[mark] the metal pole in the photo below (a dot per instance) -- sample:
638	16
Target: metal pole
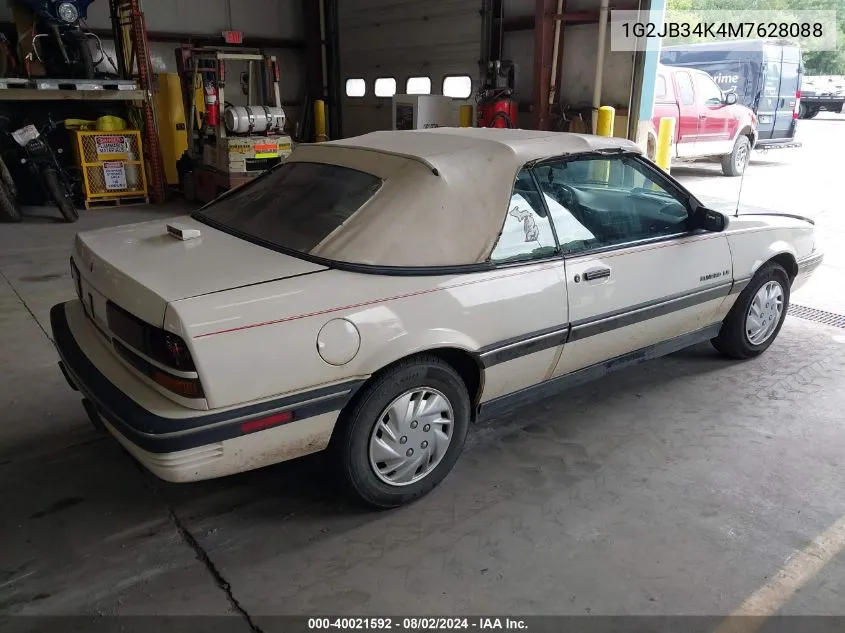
558	27
602	43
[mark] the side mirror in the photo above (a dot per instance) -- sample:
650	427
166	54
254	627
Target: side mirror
709	220
730	98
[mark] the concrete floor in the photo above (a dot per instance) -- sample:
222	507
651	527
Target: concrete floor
676	488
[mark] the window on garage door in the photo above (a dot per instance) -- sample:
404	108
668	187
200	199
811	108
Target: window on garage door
356	87
385	87
457	86
418	86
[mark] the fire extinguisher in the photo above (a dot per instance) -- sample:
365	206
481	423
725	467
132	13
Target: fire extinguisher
212	104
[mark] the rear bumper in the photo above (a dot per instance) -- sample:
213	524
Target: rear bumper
806	267
775	143
186	446
824	101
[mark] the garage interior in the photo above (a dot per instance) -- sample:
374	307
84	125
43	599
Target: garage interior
683	487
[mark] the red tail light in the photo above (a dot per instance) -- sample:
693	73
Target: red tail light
185	387
171	350
162	346
796	109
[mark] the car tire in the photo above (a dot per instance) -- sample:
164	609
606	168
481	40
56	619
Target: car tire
369	425
9	209
737	338
735	163
6	177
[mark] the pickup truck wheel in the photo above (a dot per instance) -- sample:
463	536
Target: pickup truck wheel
734	164
756	318
404	432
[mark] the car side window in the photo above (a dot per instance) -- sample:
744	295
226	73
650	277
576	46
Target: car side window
685	89
660	91
598	202
709	90
527	233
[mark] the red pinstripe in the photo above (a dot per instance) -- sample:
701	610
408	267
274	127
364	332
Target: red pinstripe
373	301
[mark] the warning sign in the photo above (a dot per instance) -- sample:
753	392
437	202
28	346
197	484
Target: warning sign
240	149
112	147
114	174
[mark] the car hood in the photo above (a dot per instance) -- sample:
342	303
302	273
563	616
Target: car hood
142	267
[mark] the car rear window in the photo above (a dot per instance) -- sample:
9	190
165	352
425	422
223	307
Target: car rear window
293	207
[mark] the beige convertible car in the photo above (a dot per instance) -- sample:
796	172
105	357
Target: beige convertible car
376	295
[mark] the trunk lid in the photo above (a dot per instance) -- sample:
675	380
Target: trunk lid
142	267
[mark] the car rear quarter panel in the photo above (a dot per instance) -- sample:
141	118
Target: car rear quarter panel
754	240
260	341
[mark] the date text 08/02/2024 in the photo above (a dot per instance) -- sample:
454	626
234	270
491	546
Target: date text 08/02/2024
739	30
418	624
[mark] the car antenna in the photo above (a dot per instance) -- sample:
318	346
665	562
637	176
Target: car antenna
741	180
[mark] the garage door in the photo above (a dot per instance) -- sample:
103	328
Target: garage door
384	44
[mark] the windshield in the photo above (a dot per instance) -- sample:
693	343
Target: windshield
293	207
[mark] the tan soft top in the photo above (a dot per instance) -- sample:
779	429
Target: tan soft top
446	191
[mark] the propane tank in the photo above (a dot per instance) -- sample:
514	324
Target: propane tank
254	120
212	104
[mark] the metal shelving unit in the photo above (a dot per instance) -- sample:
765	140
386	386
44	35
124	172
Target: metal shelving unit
135	87
46	89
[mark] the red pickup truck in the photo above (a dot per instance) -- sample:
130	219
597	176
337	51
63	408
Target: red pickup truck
708	123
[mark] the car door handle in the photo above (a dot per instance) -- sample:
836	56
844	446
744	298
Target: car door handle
596	273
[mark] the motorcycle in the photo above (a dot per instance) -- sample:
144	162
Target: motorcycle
45	167
60	43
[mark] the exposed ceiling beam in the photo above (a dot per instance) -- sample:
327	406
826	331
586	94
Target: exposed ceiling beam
526	22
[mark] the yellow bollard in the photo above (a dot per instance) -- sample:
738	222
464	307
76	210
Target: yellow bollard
466	115
665	137
604	127
604	121
320	120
